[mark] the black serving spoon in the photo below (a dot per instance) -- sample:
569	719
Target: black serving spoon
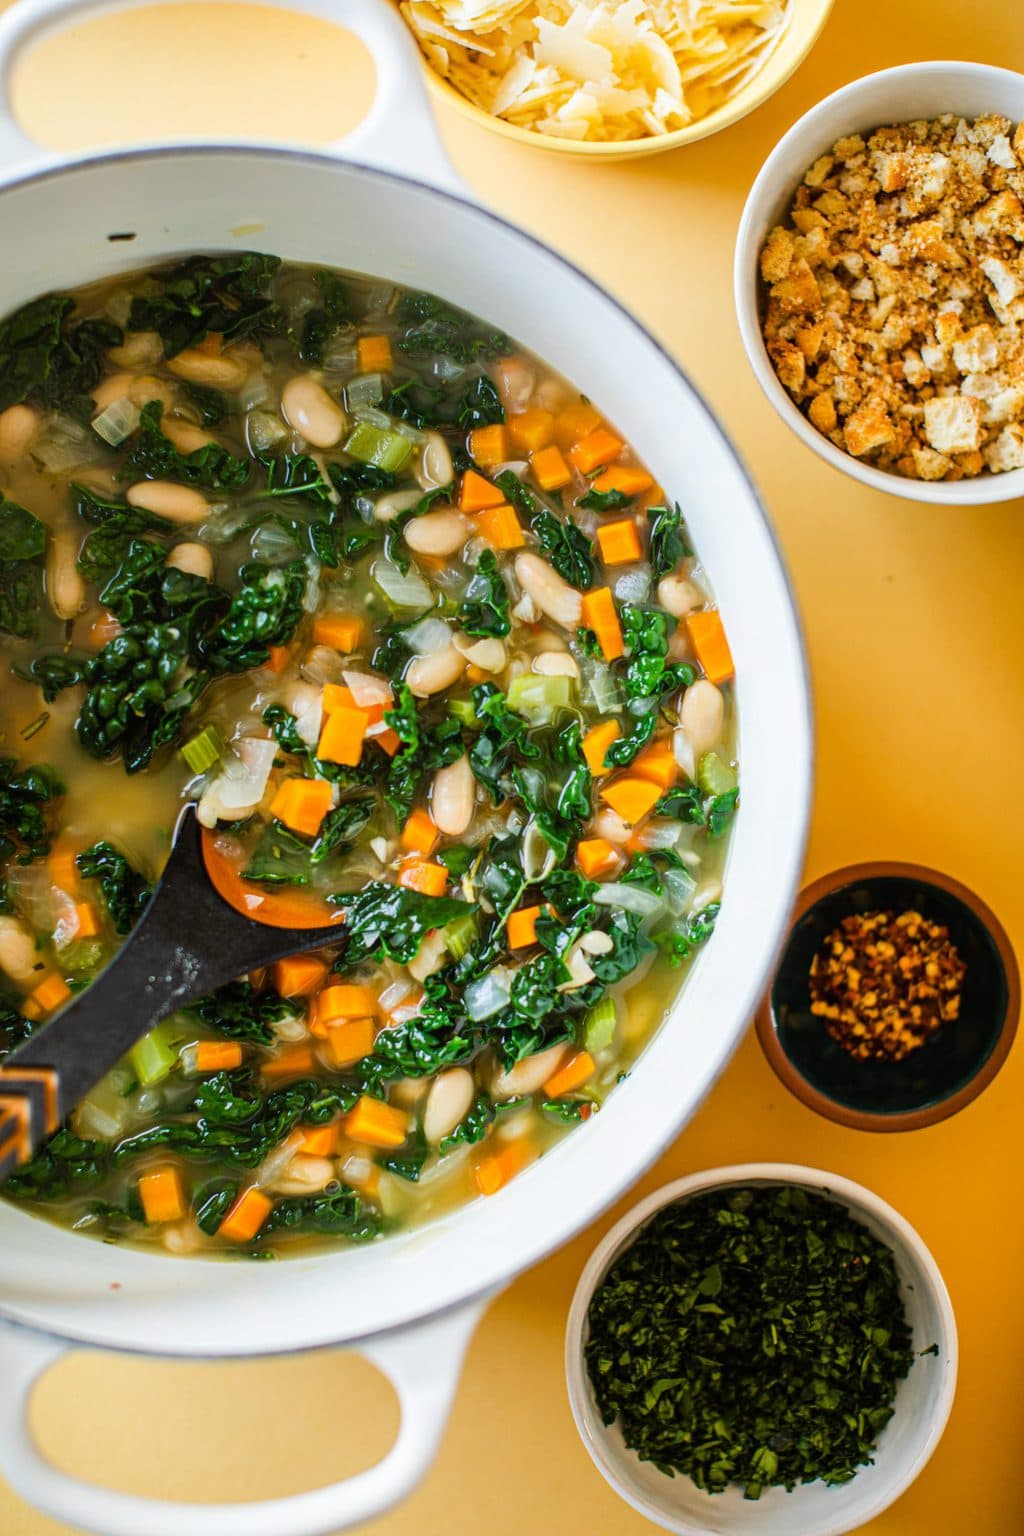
188	941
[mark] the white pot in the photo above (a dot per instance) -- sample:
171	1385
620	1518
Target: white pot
411	1301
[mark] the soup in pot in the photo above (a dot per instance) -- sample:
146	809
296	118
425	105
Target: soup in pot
402	615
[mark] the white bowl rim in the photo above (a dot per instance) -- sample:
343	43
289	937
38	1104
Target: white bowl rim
832	1185
982	489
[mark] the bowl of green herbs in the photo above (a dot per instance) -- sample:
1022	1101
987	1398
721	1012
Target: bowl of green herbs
765	1349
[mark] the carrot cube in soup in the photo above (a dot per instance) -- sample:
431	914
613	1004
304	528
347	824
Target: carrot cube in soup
62	868
489	445
342	736
345	1000
218	1055
522	927
632	798
624	478
298	975
246	1216
87	920
388	741
377	1124
708	638
596	857
278	658
302	804
550	469
420	835
596	743
162	1195
51	993
342	631
657	763
496	1169
424	876
477	494
620	542
350	1041
598	612
501	528
289	1061
337	696
595	450
571	1075
531	429
320	1140
374	353
575	422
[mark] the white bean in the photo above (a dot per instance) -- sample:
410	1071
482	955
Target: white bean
308	408
434	465
556	664
192	558
185	436
306	702
702	715
449	1101
304	1175
18	426
546	588
386	508
489	654
610	825
114	387
64	585
437	533
18	957
453	797
140	349
678	596
597	943
218	370
408	1091
146	387
516	380
528	1075
432	674
180	503
181	1237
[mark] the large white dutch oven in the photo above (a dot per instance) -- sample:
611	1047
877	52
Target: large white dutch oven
388	203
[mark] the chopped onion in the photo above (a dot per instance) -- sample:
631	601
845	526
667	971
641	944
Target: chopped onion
375	418
409	592
633	586
394	994
66	444
264	429
366	389
660	833
428	636
603	690
380	298
273	545
340	356
679	888
117	422
311	596
242	781
629	898
257	392
485	998
367	687
446	370
518	467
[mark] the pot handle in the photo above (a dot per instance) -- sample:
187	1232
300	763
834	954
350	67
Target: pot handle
422	1362
398	134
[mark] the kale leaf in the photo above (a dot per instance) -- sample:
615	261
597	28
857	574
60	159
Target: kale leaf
502	741
15	1029
46	360
436	328
325	317
239	1012
423	750
264	612
649	674
603	501
155	457
26	801
678	944
567	547
624	748
391	921
336	1212
479	405
22	546
668	540
125	891
53	673
208	295
484	609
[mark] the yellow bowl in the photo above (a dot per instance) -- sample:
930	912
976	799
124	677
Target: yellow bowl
806	20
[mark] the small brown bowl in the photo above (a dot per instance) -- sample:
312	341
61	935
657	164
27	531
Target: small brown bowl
953	1066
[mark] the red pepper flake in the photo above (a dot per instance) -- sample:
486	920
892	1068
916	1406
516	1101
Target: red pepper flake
883	983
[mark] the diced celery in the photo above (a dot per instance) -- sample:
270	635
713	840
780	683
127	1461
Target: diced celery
384	450
460	935
599	1025
205	750
403	594
713	776
156	1054
533	694
464	712
82	957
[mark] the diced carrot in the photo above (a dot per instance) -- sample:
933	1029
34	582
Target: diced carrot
599	613
496	1169
477	494
576	421
625	478
345	1000
532	429
340	630
298	975
218	1055
550	469
632	798
596	743
424	876
88	919
289	1061
279	657
595	450
620	542
320	1140
596	857
657	763
489	445
377	1124
349	1042
212	344
63	870
522	927
162	1195
342	736
374	353
246	1216
302	804
389	741
420	835
103	629
337	696
52	992
655	497
571	1075
708	637
501	528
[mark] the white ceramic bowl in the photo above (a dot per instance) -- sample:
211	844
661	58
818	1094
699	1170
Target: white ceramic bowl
891	96
923	1400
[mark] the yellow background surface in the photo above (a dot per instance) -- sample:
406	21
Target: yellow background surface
913	617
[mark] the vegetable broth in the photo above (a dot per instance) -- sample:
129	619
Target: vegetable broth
396	608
